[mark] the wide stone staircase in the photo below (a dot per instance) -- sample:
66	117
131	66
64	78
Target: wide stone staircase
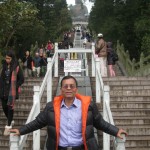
129	102
130	106
22	109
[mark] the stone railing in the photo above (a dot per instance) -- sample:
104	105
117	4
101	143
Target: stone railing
133	68
118	144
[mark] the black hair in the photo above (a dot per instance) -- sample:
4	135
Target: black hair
14	61
69	77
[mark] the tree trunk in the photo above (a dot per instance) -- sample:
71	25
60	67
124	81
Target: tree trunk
9	38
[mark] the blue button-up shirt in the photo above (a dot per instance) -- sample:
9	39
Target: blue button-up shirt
70	124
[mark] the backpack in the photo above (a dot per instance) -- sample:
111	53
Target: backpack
115	56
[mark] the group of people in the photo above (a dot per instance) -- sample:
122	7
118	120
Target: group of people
35	66
106	54
70	118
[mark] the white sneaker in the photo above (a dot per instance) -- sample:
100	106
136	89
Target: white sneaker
6	131
12	123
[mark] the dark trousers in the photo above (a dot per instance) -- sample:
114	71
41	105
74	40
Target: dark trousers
8	111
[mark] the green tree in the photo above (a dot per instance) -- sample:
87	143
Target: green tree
13	15
19	26
55	15
127	21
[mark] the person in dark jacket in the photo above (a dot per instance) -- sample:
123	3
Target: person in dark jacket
27	64
70	119
43	64
110	59
36	65
11	79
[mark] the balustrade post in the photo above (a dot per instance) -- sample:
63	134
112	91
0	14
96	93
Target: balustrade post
71	55
49	81
85	57
36	134
14	142
133	66
141	61
121	143
93	60
87	70
56	61
126	60
106	100
98	86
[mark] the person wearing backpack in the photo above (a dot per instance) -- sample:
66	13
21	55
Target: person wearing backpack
101	51
27	64
111	59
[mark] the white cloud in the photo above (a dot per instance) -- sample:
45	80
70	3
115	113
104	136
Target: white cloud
71	2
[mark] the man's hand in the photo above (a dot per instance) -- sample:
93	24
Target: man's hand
15	131
121	131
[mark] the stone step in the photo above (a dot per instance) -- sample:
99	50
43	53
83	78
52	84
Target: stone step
4	141
135	142
132	142
132	112
18	121
123	78
142	130
124	81
126	93
144	92
130	105
129	87
131	120
130	98
17	113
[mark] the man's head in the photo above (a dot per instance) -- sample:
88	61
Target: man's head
27	53
100	35
69	87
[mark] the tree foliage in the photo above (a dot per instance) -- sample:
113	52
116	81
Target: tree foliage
25	22
126	20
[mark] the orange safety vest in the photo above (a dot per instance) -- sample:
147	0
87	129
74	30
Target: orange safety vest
85	102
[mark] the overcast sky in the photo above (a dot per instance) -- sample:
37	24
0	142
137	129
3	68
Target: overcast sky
88	4
71	2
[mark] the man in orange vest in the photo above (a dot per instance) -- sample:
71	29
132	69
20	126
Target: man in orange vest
70	119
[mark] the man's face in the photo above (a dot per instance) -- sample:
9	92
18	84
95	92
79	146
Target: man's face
68	89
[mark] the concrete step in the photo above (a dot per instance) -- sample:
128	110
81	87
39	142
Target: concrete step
17	113
129	87
127	93
137	142
131	120
125	81
123	78
4	140
129	98
145	92
137	112
130	105
143	130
